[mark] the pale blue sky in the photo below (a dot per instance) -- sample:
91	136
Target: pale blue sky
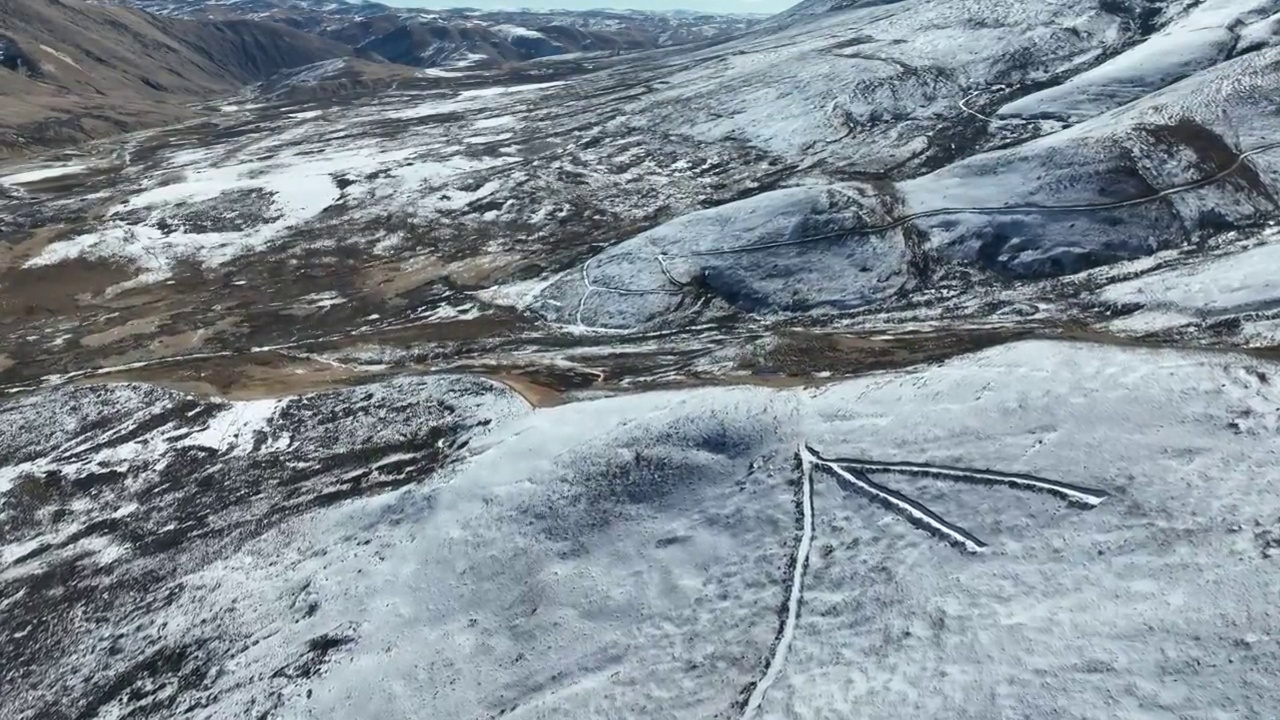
744	6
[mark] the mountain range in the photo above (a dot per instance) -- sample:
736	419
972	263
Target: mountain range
77	70
435	38
73	70
890	359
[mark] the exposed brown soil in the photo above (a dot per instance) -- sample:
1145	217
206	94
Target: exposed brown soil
141	326
271	374
483	270
267	374
184	342
249	377
537	395
15	255
389	280
57	290
803	353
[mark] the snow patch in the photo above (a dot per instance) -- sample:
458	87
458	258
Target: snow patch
31	176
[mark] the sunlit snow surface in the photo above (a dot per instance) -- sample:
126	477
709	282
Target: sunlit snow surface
631	556
1209	33
1198	148
31	176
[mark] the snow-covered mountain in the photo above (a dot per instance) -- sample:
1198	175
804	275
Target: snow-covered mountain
432	38
893	360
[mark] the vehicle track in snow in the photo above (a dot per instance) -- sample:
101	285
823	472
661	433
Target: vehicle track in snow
973	95
913	511
1030	207
786	632
1076	494
589	286
679	286
853	476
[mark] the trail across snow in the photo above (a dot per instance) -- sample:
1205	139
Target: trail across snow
662	258
965	107
915	512
800	566
853	475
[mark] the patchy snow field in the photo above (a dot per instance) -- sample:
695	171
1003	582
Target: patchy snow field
192	208
1209	33
33	176
1038	529
841	162
1193	152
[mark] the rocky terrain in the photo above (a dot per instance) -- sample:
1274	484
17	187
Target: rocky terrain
907	359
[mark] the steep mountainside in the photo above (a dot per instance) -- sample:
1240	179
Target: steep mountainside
429	43
76	70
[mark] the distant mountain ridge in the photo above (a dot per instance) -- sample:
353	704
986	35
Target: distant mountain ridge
72	71
463	36
78	70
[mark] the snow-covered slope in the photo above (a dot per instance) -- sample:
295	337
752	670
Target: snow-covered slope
111	495
790	250
867	83
1195	157
890	89
843	163
1209	33
1046	529
1198	295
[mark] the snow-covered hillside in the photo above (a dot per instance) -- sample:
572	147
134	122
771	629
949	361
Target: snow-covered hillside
890	87
641	555
894	360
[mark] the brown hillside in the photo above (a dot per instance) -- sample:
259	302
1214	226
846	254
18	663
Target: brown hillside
74	71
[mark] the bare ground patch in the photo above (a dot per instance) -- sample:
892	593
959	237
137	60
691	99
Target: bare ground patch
388	281
164	346
808	353
537	395
56	290
140	326
15	255
247	377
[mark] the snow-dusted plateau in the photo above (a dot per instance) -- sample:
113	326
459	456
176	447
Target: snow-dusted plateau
885	360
